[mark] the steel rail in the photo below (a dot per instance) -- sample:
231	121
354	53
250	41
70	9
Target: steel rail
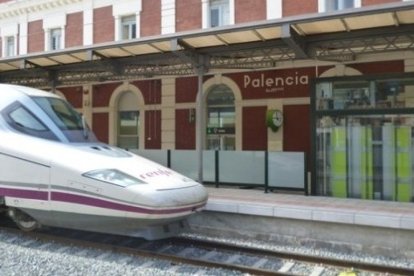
82	241
380	268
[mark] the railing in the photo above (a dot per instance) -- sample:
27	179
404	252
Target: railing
270	170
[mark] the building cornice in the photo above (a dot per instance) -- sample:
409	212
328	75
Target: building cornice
18	8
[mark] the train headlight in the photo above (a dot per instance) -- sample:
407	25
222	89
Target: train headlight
114	176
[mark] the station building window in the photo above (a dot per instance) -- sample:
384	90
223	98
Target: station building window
220	118
364	138
128	121
10	46
128	27
55	42
336	5
219	13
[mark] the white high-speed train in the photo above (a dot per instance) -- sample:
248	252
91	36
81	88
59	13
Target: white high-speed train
53	172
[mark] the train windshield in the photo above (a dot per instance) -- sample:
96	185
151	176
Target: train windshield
61	113
69	121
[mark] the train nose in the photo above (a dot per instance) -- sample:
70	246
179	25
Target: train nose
194	195
191	197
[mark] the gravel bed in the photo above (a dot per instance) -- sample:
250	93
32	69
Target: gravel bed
308	250
22	255
25	256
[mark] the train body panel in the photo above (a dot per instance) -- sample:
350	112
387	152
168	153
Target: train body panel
54	172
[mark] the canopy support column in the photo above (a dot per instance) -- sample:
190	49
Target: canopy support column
200	121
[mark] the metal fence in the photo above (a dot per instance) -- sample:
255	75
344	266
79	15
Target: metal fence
270	170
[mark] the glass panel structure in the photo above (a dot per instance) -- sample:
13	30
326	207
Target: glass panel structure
364	138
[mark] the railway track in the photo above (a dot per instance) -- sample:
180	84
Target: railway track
209	255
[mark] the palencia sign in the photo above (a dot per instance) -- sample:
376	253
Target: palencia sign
274	83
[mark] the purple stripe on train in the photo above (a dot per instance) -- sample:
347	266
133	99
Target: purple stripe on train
96	202
90	201
28	194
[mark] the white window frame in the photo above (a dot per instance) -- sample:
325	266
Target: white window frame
322	5
9	41
55	39
8	33
207	6
50	24
123	9
222	7
129	22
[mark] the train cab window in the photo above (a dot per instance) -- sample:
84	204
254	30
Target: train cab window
22	120
65	117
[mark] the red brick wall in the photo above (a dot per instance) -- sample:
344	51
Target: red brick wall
254	128
103	25
100	126
153	129
380	67
151	17
188	15
295	7
74	30
376	2
247	10
74	95
186	90
151	90
185	130
102	94
35	36
296	129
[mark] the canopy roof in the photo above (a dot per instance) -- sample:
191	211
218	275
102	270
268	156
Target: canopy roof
338	36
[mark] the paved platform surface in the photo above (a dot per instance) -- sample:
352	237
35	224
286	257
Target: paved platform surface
327	209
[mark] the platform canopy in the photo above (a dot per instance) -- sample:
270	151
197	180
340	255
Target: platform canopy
335	36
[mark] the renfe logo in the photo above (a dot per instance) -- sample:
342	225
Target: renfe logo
159	172
275	83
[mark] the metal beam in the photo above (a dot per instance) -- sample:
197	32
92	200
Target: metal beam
294	41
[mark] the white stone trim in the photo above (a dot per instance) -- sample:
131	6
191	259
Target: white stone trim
113	113
125	8
167	16
274	9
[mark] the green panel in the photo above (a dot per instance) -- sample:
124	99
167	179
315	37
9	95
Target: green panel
338	162
404	164
367	185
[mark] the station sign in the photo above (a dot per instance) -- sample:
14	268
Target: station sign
220	130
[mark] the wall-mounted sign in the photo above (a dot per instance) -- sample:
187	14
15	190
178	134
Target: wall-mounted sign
274	119
220	130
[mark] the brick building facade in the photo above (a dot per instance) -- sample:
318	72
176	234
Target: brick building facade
164	106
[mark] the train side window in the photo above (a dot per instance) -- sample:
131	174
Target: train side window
22	120
21	117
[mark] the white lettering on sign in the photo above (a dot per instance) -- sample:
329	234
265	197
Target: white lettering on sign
274	84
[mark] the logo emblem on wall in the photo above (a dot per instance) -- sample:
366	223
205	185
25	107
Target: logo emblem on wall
274	119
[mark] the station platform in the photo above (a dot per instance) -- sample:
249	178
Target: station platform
353	225
315	208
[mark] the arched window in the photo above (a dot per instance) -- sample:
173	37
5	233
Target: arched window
220	118
128	121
